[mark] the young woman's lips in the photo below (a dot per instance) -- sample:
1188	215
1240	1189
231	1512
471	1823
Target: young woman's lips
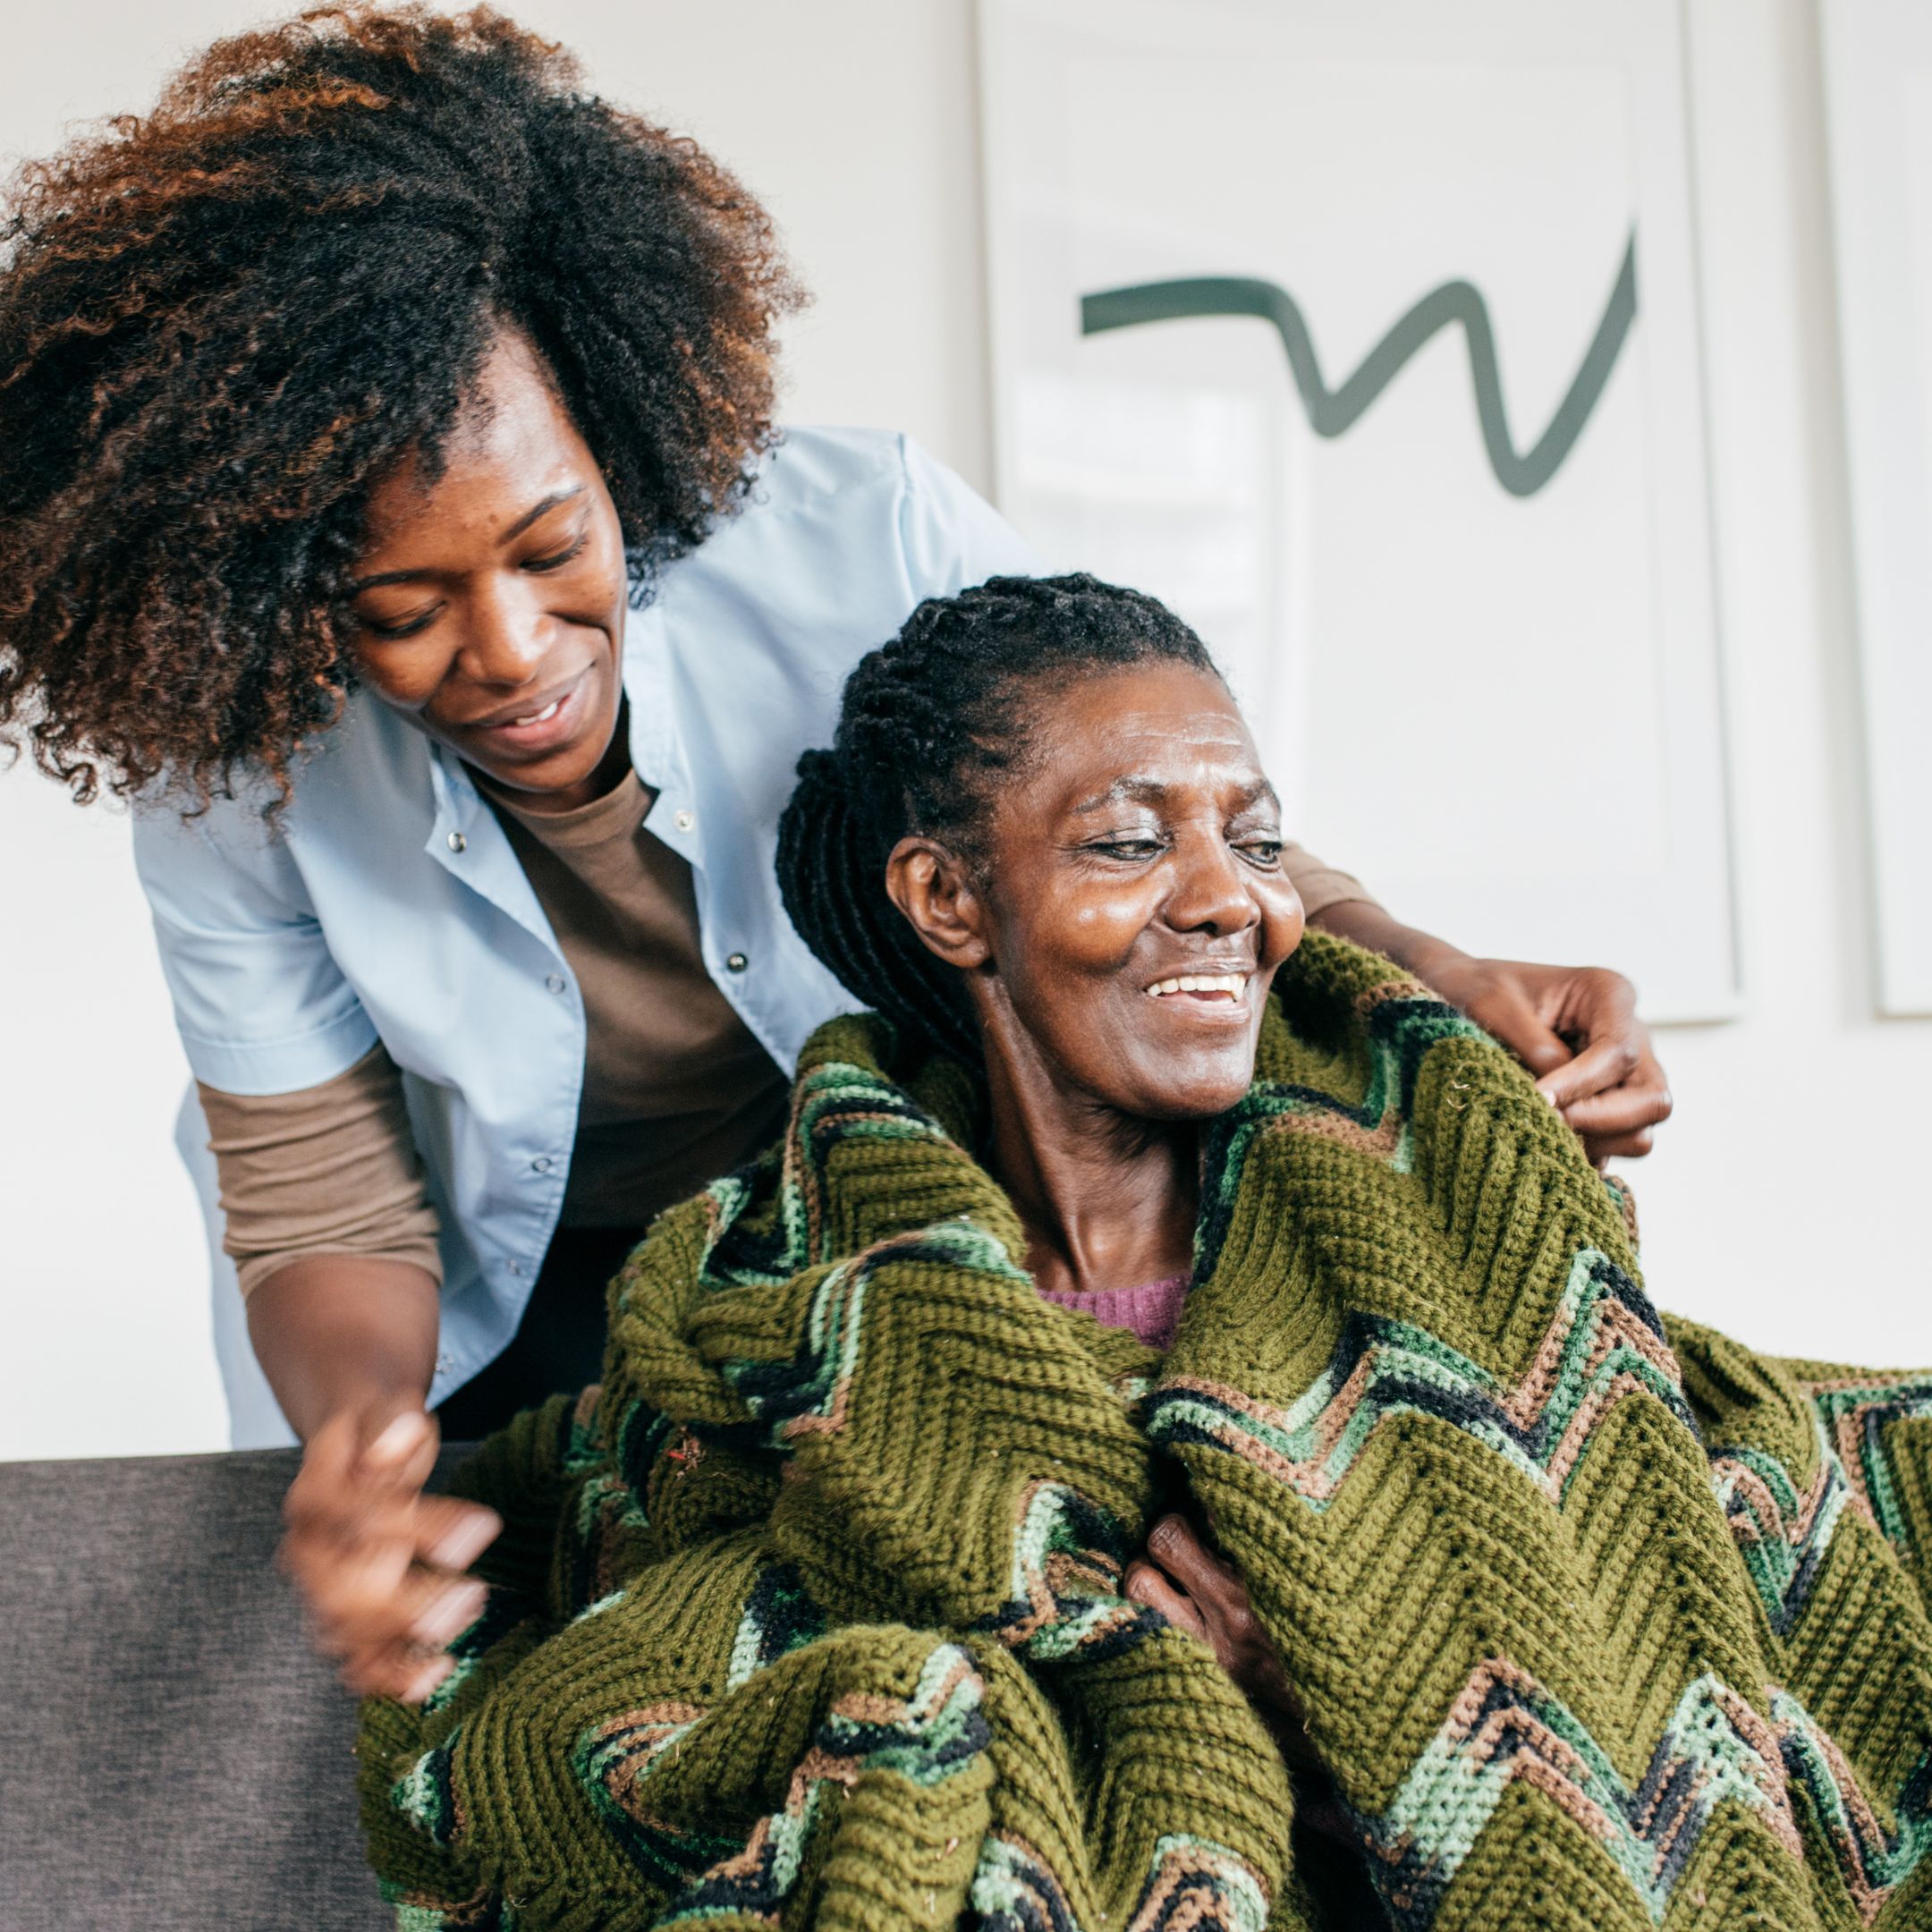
543	728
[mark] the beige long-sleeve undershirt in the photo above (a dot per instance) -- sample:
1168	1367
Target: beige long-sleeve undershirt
676	1090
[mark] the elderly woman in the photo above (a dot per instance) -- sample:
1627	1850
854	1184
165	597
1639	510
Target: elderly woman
1143	1270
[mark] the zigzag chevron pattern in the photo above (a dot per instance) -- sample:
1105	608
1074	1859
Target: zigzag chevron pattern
1506	1728
926	1738
1065	1588
1194	1882
1605	1342
1784	1531
1403	1021
1873	1859
806	1395
874	1616
1857	1412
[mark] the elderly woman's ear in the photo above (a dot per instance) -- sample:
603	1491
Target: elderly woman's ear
932	886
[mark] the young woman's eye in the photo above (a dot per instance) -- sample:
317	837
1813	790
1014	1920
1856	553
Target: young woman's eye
408	627
557	559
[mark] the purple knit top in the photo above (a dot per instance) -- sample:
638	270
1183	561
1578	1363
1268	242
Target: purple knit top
1152	1310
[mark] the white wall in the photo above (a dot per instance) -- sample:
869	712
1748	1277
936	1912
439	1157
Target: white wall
1778	1204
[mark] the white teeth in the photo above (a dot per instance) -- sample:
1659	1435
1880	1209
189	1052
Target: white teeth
536	718
1234	985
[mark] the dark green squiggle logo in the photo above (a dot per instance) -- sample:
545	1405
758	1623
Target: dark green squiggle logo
1330	412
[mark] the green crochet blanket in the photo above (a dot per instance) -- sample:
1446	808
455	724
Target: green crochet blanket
810	1617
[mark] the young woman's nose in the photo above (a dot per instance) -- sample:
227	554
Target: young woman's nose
505	638
1212	892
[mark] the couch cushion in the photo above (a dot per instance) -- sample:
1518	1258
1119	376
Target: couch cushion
172	1751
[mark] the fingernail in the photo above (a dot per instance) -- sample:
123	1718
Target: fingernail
451	1612
462	1544
426	1681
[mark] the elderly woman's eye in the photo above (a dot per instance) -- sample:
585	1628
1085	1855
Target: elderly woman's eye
1266	851
1126	848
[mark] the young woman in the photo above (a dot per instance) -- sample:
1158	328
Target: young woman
392	502
868	1588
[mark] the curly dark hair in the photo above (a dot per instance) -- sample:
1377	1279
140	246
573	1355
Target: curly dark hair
927	725
223	322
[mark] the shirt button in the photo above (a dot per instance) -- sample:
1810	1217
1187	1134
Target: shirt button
457	841
443	1364
516	1268
737	962
684	820
555	982
541	1164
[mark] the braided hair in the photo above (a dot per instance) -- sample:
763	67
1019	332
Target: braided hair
927	725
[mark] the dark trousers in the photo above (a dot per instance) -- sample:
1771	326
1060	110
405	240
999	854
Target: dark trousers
558	1346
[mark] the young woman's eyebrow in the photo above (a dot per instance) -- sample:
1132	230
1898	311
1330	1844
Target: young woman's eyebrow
542	509
531	516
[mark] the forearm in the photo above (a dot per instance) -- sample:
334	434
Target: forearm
1365	923
345	1334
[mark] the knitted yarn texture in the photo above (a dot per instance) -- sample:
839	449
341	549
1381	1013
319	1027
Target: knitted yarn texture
810	1616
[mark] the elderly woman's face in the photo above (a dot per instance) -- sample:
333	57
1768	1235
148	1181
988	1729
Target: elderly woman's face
1134	904
489	599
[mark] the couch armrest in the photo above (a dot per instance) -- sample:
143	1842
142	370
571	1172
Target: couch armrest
171	1752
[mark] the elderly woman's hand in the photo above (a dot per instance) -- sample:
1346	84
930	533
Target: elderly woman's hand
1196	1589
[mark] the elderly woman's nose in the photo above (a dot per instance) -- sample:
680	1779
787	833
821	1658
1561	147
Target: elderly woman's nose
1213	891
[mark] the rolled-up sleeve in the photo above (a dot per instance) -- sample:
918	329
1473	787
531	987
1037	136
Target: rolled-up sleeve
259	1002
331	1170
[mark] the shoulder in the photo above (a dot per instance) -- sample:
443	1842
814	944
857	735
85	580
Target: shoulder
367	782
864	513
814	467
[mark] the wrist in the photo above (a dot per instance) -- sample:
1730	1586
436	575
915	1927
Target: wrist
341	1336
361	1414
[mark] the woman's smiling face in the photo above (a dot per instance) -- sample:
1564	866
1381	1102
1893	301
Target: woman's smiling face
1131	908
489	599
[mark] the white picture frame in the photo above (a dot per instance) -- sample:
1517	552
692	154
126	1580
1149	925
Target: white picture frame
1485	680
1878	116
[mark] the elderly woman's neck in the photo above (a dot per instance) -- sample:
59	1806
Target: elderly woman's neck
1107	1201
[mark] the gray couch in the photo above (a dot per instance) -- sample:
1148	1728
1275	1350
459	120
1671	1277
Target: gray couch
171	1753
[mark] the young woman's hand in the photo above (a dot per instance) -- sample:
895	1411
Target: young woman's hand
1574	1027
1193	1588
349	1343
380	1564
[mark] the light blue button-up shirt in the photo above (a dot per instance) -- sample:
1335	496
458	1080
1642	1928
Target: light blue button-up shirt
389	905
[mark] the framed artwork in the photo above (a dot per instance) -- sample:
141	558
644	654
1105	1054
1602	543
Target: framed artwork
1878	107
1366	337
